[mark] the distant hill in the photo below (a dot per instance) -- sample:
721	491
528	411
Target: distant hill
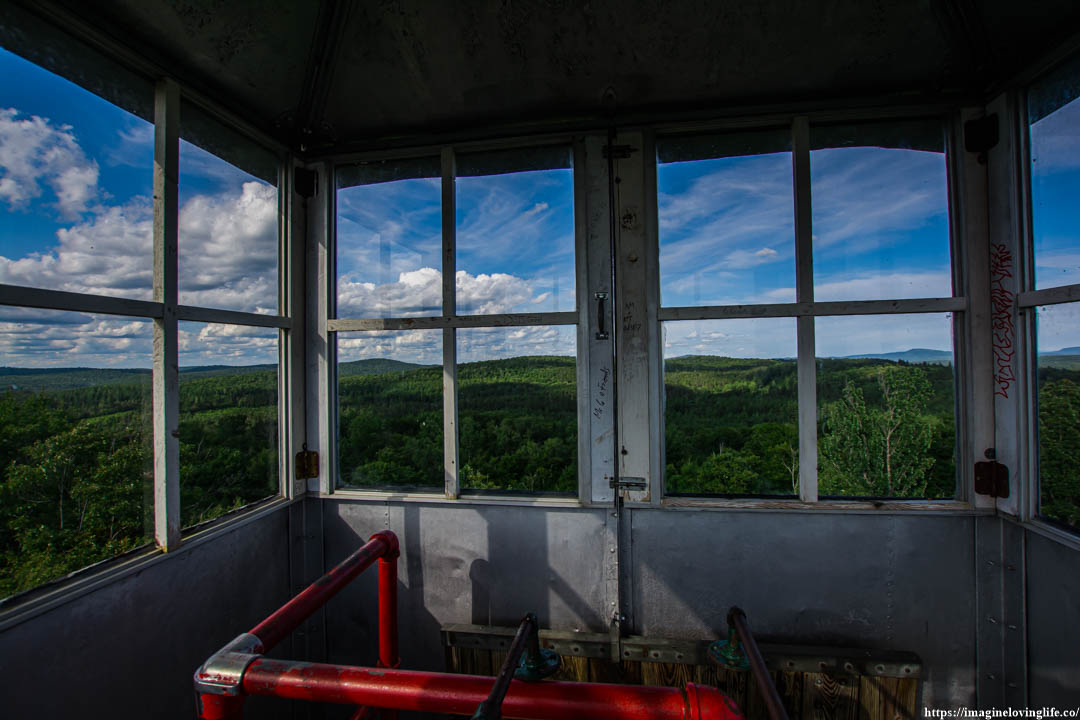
914	355
1064	351
52	379
1059	360
376	366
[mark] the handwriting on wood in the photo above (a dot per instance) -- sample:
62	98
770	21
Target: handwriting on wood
1002	300
600	399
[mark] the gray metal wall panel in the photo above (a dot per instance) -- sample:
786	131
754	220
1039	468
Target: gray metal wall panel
478	564
129	649
1053	603
888	581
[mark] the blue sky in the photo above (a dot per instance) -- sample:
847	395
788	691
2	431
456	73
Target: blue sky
75	187
76	213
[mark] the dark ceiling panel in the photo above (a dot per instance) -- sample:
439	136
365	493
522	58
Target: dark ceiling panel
418	67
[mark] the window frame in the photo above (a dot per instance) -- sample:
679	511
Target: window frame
1028	299
166	312
449	322
805	309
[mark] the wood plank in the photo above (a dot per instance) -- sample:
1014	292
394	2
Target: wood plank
888	698
666	674
572	668
790	687
829	697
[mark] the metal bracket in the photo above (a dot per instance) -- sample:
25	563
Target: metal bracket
223	673
601	333
992	478
619	152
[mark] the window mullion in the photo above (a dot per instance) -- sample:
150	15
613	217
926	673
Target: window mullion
804	293
166	389
449	341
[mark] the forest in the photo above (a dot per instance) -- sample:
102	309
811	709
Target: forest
76	450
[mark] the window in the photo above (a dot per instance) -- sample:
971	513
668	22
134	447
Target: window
463	386
791	261
1054	146
85	325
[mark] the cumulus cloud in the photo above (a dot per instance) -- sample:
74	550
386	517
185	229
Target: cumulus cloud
228	249
35	154
52	339
219	344
419	293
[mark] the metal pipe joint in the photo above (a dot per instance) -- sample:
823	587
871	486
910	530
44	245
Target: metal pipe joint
223	672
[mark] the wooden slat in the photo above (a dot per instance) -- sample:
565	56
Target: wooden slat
805	695
829	697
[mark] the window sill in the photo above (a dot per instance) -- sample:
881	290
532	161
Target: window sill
441	499
1057	533
933	507
29	604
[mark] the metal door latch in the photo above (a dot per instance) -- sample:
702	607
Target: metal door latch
627	483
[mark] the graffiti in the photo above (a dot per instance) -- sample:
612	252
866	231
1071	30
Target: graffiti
1002	300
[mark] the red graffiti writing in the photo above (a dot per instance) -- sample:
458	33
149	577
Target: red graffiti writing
1002	301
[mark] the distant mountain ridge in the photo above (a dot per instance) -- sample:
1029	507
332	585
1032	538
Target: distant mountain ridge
914	355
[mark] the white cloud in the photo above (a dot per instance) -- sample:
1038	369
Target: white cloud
218	344
1055	142
870	286
35	153
228	249
52	339
419	292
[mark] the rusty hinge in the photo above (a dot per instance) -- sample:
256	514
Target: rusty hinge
307	464
992	478
619	152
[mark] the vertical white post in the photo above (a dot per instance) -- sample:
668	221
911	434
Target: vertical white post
166	362
804	293
449	340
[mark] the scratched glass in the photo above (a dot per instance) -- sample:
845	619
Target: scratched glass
880	211
517	409
886	406
1054	114
228	418
726	219
1058	328
75	186
228	224
731	407
515	232
76	455
390	410
389	239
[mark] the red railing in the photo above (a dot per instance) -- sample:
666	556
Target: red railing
239	670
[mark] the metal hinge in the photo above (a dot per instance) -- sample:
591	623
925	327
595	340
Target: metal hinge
992	478
307	464
619	152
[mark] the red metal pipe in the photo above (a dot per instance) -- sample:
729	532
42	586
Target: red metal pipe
460	694
277	627
388	617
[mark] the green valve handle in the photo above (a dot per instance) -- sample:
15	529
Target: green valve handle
729	653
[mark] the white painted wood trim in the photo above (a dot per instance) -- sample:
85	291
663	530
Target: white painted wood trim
452	321
166	383
816	309
804	293
188	313
292	407
1049	296
77	302
451	446
584	307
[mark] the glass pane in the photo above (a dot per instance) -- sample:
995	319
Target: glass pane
1059	412
517	409
228	418
1055	181
228	236
76	442
390	419
880	214
727	233
731	421
515	240
75	187
389	240
886	409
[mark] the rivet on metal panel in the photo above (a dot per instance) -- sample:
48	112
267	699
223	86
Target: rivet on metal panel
880	668
990	676
993	620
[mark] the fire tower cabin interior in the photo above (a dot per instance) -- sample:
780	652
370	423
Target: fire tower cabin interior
624	313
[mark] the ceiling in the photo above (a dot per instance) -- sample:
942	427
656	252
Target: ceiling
339	75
